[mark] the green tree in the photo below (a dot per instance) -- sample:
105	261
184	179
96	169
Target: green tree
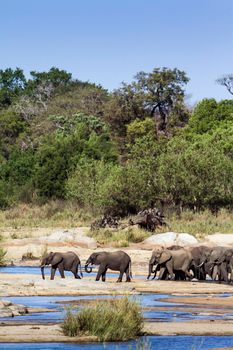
57	77
209	114
197	172
162	91
12	85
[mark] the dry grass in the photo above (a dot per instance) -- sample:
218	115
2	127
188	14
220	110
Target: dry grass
52	214
201	224
119	238
64	214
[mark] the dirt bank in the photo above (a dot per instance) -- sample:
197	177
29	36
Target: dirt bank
52	332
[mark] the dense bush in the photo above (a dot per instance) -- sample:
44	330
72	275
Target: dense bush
108	320
118	152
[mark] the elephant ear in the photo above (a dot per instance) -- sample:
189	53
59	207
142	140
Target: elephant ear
57	258
97	258
165	256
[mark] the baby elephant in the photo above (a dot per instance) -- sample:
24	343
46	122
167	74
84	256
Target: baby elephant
117	261
68	261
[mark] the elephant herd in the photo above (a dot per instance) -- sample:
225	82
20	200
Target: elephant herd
181	263
172	263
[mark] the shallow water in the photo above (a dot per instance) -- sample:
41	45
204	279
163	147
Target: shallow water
146	300
156	342
35	270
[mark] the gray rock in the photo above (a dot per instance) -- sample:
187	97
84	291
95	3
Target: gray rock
171	238
9	309
77	236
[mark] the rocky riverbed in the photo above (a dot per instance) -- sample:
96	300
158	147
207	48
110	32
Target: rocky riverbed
211	301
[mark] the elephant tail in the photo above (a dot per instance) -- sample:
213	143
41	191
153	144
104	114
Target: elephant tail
81	273
130	270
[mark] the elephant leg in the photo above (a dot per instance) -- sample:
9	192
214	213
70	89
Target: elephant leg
61	270
128	279
75	272
104	275
162	273
101	270
223	273
120	276
185	269
170	270
215	273
53	271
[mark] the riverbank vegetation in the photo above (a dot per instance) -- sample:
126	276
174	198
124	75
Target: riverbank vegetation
108	320
66	214
71	151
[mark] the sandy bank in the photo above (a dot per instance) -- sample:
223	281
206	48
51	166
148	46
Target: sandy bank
52	332
30	285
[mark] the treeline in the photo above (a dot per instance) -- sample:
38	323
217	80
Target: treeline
113	152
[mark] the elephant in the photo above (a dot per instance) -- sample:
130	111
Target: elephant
163	272
200	266
116	261
172	261
68	261
221	261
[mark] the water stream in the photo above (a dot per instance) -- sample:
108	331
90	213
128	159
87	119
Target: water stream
148	302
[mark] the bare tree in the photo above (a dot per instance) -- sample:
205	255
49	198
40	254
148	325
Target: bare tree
30	106
227	81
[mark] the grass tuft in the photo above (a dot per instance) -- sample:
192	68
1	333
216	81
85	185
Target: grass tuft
111	320
2	257
120	238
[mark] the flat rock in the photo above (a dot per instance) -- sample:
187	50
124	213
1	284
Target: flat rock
171	238
76	235
9	309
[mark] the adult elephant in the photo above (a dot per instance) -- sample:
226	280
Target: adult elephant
221	262
68	261
172	261
116	261
163	272
200	265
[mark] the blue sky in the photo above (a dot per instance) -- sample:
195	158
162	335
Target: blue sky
109	41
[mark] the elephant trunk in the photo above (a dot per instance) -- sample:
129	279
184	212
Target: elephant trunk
151	270
42	271
88	269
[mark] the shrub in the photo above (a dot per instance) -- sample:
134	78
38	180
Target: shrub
112	320
2	256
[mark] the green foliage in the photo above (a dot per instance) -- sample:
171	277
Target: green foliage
55	76
2	257
108	320
209	114
12	126
113	152
119	238
87	182
139	128
4	194
17	175
81	138
161	90
78	96
197	172
12	84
